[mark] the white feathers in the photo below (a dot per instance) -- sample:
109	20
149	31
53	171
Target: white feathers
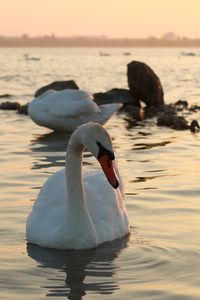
75	209
67	109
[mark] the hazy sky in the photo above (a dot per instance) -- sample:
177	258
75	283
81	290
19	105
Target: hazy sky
113	18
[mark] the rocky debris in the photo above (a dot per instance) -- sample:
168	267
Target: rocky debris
144	84
151	111
114	96
23	109
194	108
170	116
9	105
177	122
183	104
172	121
194	126
57	86
134	112
6	96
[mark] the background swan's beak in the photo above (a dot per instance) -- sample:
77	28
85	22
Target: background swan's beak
107	167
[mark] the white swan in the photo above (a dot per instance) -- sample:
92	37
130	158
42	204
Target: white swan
67	109
72	212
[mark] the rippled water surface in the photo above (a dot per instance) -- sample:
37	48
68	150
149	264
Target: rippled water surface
160	168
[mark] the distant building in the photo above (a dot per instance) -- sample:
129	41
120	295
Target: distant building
25	36
169	36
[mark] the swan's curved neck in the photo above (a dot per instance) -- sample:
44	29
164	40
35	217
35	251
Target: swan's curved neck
74	172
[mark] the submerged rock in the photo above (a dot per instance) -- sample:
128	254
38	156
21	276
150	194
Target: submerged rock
183	104
173	121
57	86
170	118
23	109
194	126
151	111
144	84
194	108
133	112
9	105
6	96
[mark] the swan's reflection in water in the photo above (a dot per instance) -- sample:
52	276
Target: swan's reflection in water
98	265
53	141
49	149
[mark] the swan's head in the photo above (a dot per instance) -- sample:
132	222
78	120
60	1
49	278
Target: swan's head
97	140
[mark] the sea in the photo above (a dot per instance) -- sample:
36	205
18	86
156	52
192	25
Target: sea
160	167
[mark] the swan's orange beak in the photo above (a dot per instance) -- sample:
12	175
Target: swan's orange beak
108	169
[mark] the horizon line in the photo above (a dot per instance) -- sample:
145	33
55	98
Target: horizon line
100	36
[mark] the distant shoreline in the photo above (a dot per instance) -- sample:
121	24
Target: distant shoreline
52	41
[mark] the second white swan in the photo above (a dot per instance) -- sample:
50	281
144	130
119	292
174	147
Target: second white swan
67	109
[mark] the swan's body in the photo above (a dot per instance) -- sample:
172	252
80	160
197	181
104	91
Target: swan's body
74	214
67	109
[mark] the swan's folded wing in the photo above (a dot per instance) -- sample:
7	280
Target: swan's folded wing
65	104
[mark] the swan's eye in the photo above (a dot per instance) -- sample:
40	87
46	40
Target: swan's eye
103	151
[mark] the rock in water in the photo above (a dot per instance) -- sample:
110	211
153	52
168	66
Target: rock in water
57	86
194	126
144	84
115	95
173	121
9	105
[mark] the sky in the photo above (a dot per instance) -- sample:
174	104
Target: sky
113	18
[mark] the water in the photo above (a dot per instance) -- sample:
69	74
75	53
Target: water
160	168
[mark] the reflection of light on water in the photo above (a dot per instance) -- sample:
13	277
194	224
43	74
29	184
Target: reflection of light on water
86	271
143	146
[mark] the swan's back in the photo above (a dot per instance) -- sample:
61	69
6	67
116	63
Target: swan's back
68	109
56	107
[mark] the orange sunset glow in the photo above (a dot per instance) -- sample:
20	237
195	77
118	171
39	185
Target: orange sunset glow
113	18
